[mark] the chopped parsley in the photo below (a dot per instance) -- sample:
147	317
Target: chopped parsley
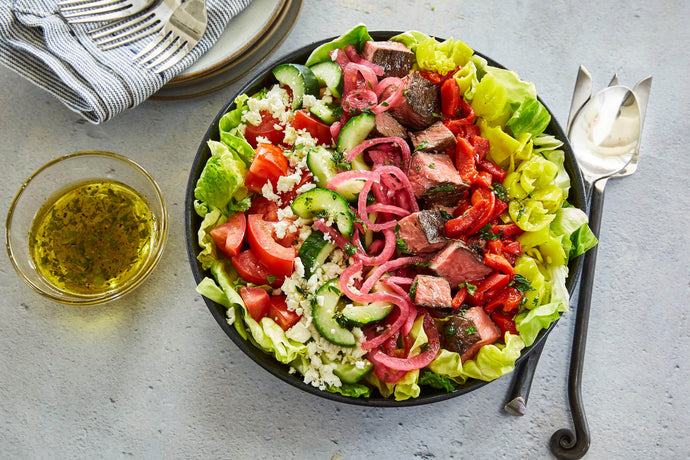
350	249
521	283
434	380
271	279
500	191
471	330
401	246
486	233
471	288
422	145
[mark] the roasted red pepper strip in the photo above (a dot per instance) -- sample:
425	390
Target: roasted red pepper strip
506	230
459	225
450	98
505	323
482	194
495	246
500	263
513	247
488	288
459	298
499	208
509	298
492	168
481	147
464	160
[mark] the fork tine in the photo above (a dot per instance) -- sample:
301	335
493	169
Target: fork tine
68	3
158	44
105	13
182	52
129	29
89	6
112	43
175	46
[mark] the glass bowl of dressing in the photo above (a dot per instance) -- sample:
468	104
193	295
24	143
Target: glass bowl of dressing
86	228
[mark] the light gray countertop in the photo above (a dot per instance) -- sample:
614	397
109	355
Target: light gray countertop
153	376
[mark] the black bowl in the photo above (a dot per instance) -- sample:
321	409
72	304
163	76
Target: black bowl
262	78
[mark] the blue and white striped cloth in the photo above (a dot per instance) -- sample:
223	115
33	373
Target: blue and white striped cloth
37	43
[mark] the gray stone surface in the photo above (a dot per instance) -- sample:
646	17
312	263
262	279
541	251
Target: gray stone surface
153	376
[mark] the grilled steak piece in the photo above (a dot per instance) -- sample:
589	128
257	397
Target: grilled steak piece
434	179
395	58
422	231
388	126
458	263
431	292
437	138
420	103
469	330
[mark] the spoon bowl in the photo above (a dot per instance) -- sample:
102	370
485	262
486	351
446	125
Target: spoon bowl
605	133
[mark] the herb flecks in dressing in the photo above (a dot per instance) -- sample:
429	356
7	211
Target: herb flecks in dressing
92	237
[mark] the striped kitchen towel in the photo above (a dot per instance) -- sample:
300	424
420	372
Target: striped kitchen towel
37	43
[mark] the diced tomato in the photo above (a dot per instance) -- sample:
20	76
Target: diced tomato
279	260
279	312
316	128
505	323
509	298
256	300
250	268
266	208
268	165
481	147
500	263
266	130
230	235
450	98
492	168
488	287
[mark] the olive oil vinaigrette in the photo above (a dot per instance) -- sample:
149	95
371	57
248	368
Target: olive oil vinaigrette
92	237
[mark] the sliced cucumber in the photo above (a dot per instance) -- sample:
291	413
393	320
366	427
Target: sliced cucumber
300	79
330	75
320	202
365	314
349	373
323	312
328	113
321	165
314	252
354	133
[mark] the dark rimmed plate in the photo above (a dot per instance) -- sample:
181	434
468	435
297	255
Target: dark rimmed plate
262	78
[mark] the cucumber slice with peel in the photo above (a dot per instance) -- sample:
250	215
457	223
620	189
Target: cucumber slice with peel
323	312
322	202
300	79
314	252
330	75
365	314
354	133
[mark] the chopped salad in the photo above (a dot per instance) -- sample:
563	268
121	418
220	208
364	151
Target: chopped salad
389	215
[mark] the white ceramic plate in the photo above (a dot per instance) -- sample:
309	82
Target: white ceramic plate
240	34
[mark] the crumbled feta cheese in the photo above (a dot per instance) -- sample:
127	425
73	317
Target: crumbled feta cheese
299	332
267	191
308	100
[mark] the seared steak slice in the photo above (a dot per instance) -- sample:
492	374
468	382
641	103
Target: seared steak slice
420	105
422	231
458	263
437	138
395	58
469	330
431	292
388	126
434	179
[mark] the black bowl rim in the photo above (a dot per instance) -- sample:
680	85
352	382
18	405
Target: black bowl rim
261	78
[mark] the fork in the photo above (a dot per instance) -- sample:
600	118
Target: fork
79	11
135	28
178	36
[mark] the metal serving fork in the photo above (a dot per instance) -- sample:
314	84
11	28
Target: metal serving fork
78	11
178	36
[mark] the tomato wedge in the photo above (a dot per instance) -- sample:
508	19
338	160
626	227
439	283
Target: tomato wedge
266	130
269	165
315	127
279	260
264	207
250	268
278	312
230	235
256	300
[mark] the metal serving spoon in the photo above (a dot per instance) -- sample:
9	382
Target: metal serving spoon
605	137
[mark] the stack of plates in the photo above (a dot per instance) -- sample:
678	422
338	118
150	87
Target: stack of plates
246	42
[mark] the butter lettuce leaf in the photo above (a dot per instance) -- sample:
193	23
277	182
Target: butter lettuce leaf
221	179
572	223
530	322
495	360
356	36
530	117
209	251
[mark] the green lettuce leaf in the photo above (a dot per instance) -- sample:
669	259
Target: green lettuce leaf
572	223
530	117
209	251
495	360
352	390
222	177
356	36
530	322
434	380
